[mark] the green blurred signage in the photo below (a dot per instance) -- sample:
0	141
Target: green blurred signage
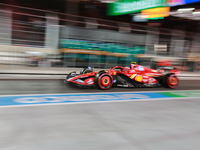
130	6
182	93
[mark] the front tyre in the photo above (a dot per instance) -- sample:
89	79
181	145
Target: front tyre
171	81
103	80
71	74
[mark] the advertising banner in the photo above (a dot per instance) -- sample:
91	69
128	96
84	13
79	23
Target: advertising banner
123	7
126	7
156	12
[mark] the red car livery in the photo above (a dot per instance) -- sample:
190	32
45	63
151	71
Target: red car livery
133	76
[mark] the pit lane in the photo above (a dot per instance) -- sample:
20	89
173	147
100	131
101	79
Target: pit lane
13	87
143	125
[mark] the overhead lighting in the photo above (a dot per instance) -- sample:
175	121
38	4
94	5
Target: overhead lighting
181	15
185	9
138	18
196	13
173	13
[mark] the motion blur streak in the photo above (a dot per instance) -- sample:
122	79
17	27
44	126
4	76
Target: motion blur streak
44	38
41	41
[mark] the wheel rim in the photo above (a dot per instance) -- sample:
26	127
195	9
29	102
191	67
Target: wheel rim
173	81
105	81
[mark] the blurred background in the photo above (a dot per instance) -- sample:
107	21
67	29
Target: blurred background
101	34
43	40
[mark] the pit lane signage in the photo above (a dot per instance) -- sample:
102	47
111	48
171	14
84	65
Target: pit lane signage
75	98
53	99
126	6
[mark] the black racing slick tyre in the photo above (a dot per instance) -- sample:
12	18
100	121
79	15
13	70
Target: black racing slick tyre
70	75
103	80
171	81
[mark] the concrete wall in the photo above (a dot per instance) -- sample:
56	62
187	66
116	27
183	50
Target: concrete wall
5	26
13	49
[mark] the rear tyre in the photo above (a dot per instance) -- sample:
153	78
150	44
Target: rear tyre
103	80
171	81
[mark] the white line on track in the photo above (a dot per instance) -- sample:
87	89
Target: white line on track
101	93
116	101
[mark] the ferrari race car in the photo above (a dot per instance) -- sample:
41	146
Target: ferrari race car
133	76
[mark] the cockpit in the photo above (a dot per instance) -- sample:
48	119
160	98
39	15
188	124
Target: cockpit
137	67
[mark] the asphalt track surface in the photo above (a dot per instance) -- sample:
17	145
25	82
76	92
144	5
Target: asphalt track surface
171	124
13	87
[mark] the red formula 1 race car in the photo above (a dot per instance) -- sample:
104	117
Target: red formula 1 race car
133	76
